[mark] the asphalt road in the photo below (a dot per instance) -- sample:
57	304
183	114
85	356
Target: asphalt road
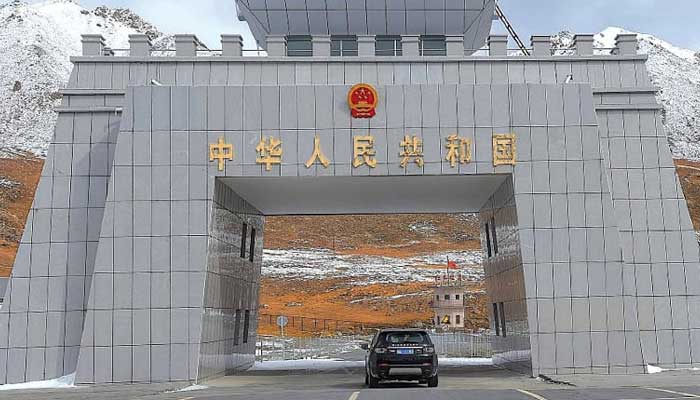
476	384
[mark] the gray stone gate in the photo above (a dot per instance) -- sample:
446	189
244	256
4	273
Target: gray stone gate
141	256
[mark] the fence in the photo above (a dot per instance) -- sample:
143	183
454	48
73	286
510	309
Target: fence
347	347
319	325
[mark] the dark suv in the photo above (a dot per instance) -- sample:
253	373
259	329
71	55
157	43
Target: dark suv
401	355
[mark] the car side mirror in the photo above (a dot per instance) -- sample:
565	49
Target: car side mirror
364	346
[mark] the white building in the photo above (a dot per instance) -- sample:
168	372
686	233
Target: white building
448	300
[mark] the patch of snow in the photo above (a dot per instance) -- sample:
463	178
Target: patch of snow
193	387
336	364
8	184
64	382
651	369
364	269
465	362
306	365
424	228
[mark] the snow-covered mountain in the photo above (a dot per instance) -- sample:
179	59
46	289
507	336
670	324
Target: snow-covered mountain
36	41
673	69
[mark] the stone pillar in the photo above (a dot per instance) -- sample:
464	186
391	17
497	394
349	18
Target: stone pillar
541	46
366	45
498	45
276	46
411	45
231	45
321	45
186	45
626	44
139	45
455	46
583	45
93	45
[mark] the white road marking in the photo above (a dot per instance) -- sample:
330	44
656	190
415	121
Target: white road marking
354	396
693	396
533	395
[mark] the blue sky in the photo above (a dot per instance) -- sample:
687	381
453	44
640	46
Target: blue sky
672	20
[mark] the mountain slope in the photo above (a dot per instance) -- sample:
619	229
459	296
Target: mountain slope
36	41
676	71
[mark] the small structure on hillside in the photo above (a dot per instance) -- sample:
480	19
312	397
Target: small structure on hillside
448	300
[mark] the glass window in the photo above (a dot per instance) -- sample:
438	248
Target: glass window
437	297
447	297
299	46
488	240
496	320
433	45
456	297
244	237
399	338
388	46
343	46
457	319
494	238
246	326
502	313
237	328
251	256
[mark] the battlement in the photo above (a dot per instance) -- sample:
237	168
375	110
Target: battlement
378	48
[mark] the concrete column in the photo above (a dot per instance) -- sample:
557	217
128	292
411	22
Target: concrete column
583	45
276	46
93	45
410	45
186	45
321	45
455	46
139	45
231	45
626	44
541	46
498	45
366	45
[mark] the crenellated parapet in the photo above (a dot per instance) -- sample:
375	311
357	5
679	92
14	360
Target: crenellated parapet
363	46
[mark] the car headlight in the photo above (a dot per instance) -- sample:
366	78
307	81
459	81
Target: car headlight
429	350
380	350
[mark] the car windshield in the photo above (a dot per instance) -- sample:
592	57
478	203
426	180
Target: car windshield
398	338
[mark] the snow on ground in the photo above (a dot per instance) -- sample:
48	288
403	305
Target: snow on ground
335	364
193	388
653	369
63	382
8	184
365	269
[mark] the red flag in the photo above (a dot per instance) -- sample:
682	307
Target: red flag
452	265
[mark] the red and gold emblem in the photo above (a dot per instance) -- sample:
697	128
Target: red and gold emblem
363	99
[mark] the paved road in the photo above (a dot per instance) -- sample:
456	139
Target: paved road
473	384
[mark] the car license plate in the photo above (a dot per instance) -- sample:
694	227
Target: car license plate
404	351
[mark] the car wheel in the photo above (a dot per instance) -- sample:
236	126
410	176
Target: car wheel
433	382
373	382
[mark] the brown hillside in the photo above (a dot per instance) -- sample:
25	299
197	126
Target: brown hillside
390	235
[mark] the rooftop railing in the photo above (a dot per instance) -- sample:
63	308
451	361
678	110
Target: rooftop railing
232	46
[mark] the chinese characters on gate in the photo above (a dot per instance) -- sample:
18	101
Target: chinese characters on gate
458	150
363	100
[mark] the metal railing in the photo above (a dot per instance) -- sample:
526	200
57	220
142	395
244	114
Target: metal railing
347	347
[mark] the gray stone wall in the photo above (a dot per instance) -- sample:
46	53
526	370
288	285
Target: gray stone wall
582	216
505	281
